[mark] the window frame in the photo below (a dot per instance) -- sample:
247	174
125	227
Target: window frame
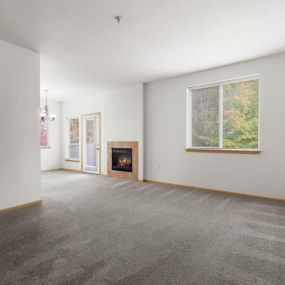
67	153
220	84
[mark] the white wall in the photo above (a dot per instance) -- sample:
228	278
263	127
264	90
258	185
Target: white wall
51	156
165	133
19	126
121	119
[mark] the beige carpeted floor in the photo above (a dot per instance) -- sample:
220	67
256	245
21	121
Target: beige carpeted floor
98	230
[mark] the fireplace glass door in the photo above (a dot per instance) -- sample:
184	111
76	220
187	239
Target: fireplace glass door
91	143
122	159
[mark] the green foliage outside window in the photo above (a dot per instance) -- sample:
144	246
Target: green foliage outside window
205	117
240	116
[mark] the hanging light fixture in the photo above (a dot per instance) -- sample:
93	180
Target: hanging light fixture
44	113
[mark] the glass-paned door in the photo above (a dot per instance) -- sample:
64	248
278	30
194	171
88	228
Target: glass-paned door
91	143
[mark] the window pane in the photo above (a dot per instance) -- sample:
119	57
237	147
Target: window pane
205	117
74	138
241	115
74	151
74	131
91	142
43	133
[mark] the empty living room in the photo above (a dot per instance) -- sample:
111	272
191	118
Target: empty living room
148	144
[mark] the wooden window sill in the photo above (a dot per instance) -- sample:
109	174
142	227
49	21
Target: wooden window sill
45	147
223	150
72	160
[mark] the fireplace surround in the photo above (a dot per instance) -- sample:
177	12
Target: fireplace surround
123	159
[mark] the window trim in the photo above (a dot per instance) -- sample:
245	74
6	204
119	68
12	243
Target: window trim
223	150
71	160
220	84
45	147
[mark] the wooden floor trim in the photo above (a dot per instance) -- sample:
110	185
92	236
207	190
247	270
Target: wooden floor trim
30	204
61	169
48	170
72	170
216	191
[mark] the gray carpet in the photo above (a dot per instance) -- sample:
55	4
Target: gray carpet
98	230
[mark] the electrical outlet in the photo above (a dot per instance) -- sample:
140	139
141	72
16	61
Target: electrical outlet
156	165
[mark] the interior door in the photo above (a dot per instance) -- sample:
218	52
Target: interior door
91	143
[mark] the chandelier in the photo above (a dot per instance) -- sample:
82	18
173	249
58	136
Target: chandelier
44	112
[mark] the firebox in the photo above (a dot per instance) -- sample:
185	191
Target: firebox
122	159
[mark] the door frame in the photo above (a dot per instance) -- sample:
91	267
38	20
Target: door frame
99	138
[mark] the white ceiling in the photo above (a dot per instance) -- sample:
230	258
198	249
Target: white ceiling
83	50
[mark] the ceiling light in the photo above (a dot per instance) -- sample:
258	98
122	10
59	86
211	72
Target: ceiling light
44	112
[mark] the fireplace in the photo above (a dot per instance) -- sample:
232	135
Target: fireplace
122	159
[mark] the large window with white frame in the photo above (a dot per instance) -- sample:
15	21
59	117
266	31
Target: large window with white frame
73	139
224	116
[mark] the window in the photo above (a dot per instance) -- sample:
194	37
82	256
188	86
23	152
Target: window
43	133
224	116
73	139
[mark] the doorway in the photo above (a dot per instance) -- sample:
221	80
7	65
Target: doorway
91	143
